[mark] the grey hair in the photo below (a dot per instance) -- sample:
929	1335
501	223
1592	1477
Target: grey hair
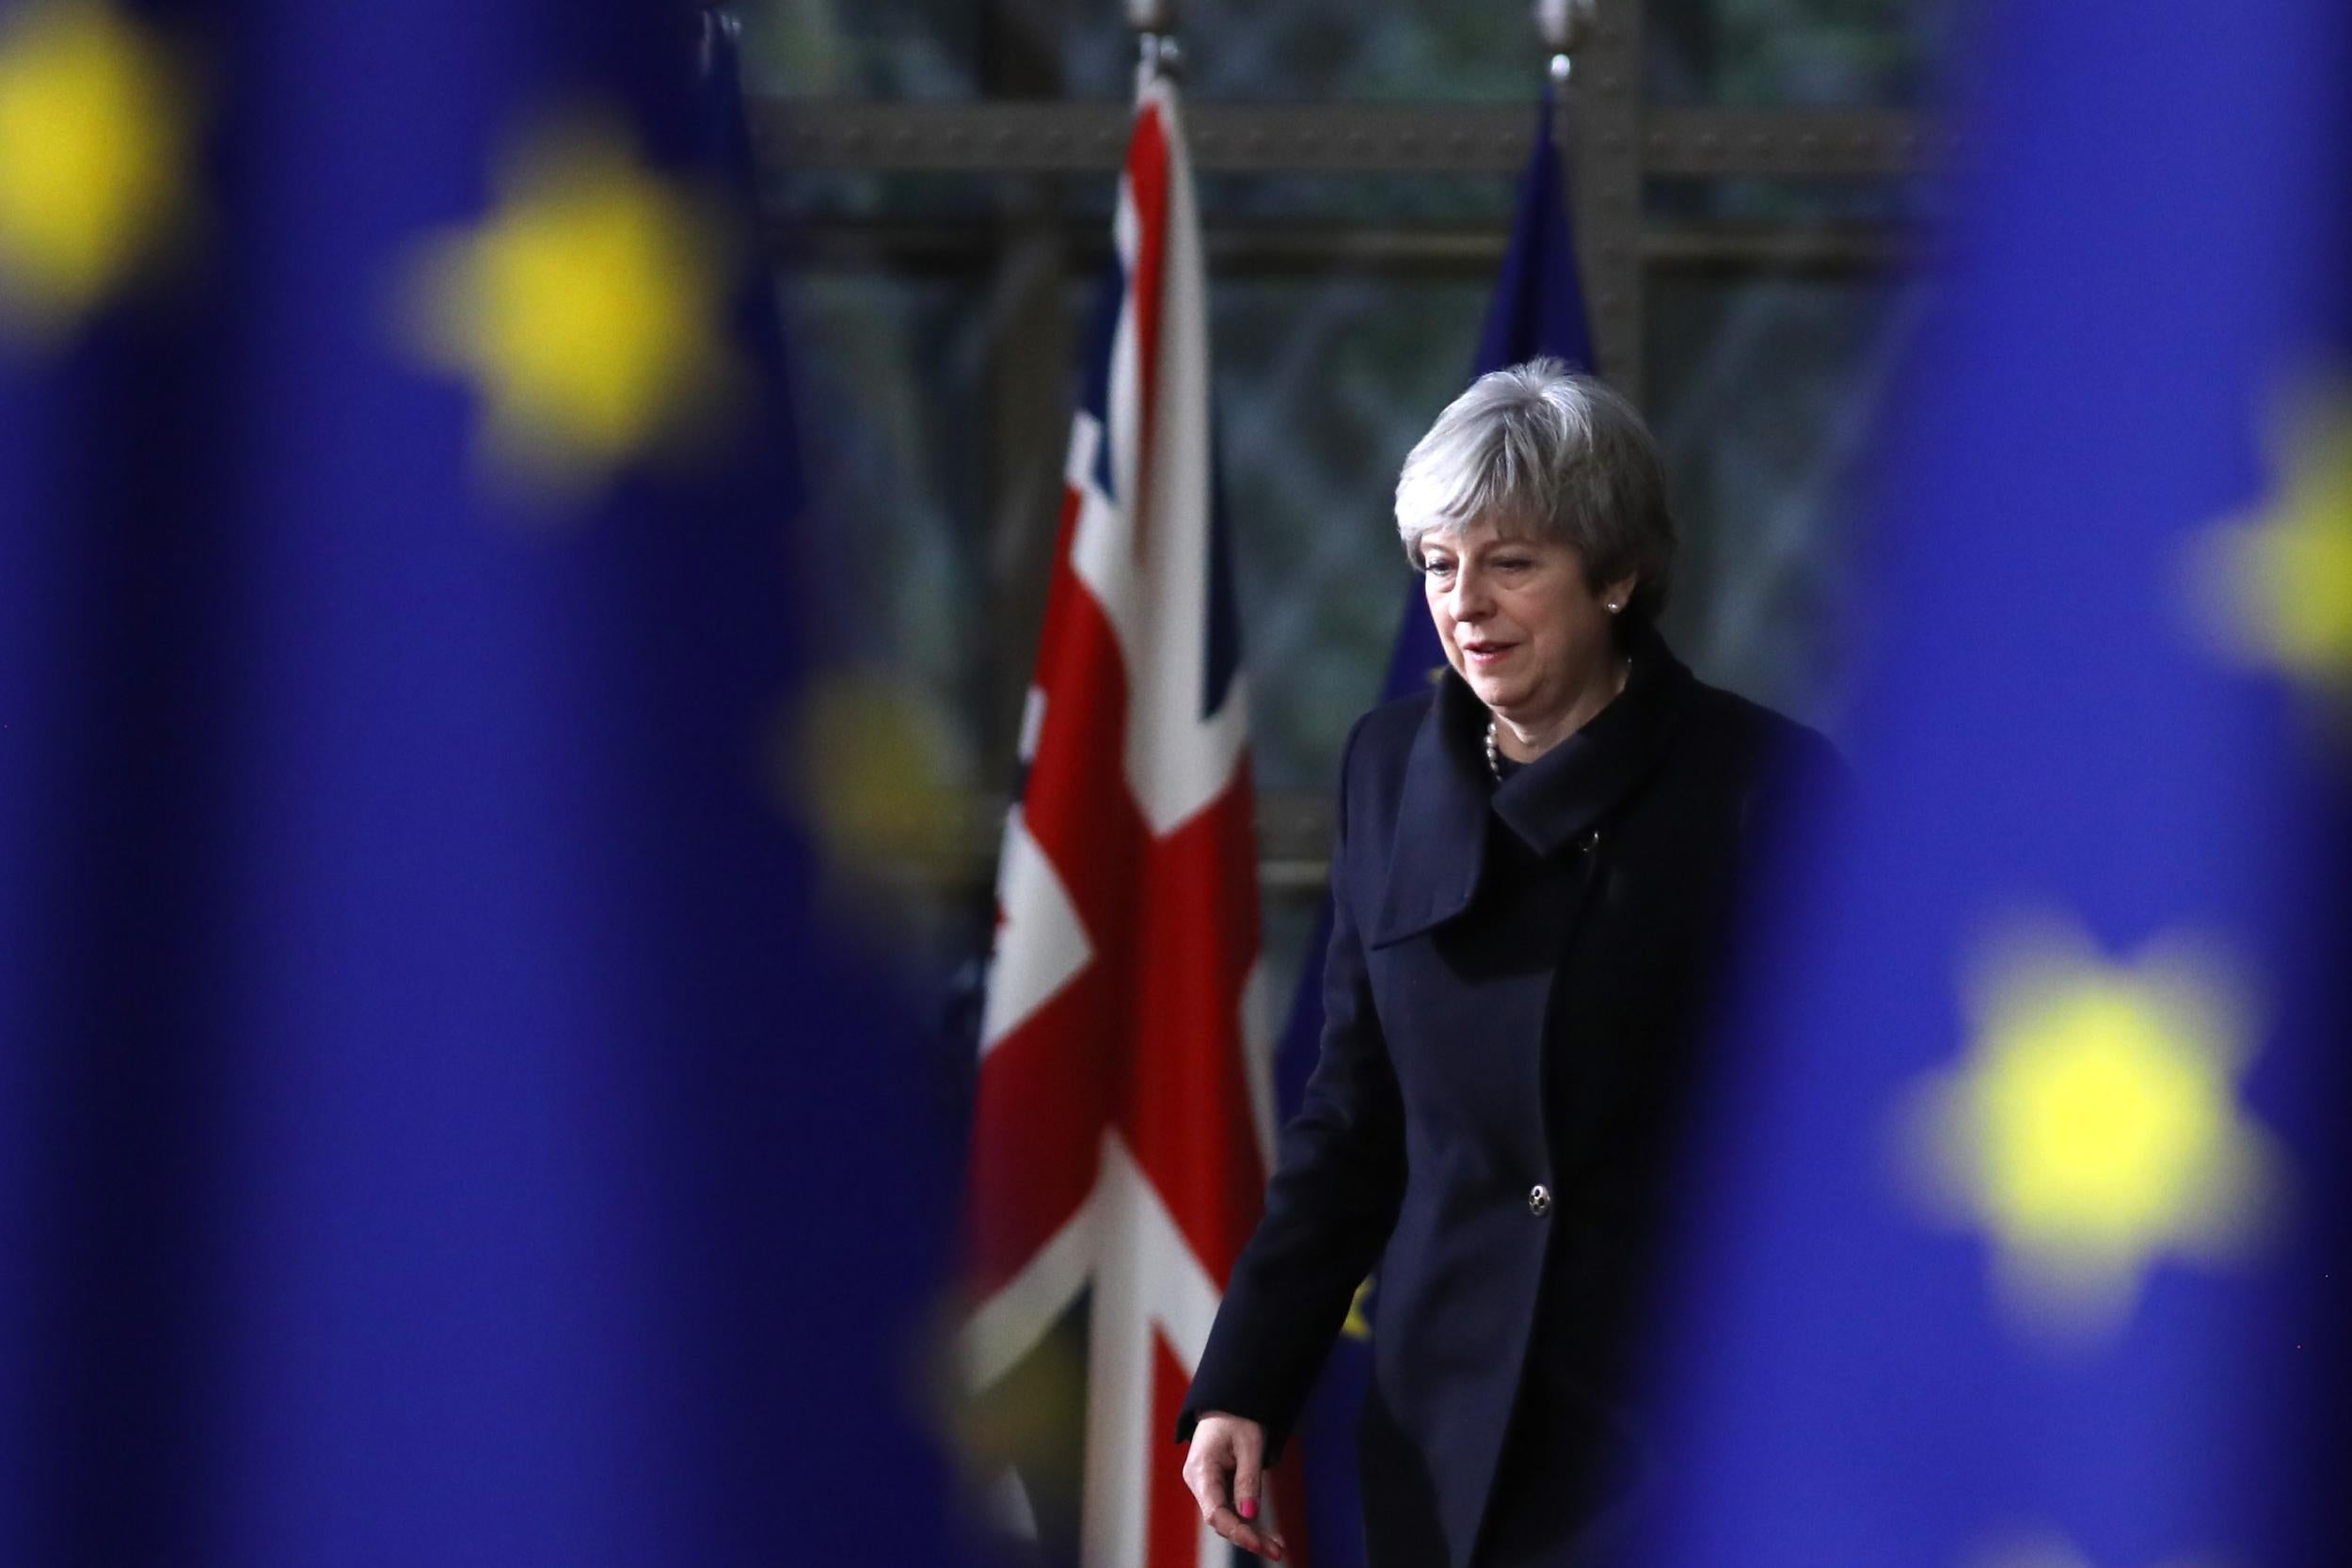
1542	451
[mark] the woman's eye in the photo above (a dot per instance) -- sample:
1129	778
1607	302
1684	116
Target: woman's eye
1437	568
1512	564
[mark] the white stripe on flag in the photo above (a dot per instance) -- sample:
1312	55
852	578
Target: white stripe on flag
1147	1285
1043	944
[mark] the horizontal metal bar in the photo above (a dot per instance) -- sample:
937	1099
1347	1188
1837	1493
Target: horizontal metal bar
963	249
1293	825
959	883
1837	249
958	250
1044	137
1039	137
1294	841
1791	143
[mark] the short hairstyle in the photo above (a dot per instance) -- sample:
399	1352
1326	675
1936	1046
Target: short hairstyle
1545	452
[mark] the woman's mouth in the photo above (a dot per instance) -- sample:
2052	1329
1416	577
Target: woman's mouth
1481	655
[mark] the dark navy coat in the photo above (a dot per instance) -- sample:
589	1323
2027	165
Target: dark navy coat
1518	983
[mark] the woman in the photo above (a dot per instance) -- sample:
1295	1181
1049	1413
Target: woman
1534	874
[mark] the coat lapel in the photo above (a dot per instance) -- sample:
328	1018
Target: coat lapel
1441	850
1561	797
1441	847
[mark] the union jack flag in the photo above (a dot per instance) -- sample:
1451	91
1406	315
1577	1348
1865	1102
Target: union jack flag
1118	1151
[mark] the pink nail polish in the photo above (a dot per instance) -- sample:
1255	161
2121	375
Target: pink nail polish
1250	1508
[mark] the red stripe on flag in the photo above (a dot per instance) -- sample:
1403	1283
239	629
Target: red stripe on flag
1060	586
1186	1113
1147	188
1037	1136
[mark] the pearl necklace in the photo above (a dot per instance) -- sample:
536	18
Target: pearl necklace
1494	749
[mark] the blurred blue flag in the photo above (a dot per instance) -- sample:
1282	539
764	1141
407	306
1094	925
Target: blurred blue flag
1538	311
2020	1242
428	1072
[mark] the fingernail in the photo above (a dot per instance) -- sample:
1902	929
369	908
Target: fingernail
1250	1508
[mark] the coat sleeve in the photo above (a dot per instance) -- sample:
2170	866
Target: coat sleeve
1339	1177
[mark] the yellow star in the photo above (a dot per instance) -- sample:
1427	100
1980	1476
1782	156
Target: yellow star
868	764
2276	586
1359	1326
2095	1124
93	134
589	308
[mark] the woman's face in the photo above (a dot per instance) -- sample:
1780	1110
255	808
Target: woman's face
1517	620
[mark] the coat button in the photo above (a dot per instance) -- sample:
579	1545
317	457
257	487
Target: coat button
1539	1201
1590	842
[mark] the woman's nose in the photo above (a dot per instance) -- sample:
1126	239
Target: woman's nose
1465	600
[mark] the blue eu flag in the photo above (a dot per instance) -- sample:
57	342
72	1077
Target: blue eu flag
2021	1241
1537	311
428	1072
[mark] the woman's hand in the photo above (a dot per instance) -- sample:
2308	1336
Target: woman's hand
1226	1469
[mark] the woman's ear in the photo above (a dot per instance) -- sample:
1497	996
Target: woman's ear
1618	595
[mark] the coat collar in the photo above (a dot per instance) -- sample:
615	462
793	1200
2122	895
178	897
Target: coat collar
1441	831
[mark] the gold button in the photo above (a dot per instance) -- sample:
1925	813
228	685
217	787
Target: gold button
1539	1201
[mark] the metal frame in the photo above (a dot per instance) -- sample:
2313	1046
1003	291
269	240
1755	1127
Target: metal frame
1616	147
1087	139
917	248
1616	143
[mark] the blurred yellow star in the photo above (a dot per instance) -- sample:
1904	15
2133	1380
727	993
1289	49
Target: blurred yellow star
2095	1126
1358	1325
93	139
2047	1551
2051	1550
865	762
588	308
2277	585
